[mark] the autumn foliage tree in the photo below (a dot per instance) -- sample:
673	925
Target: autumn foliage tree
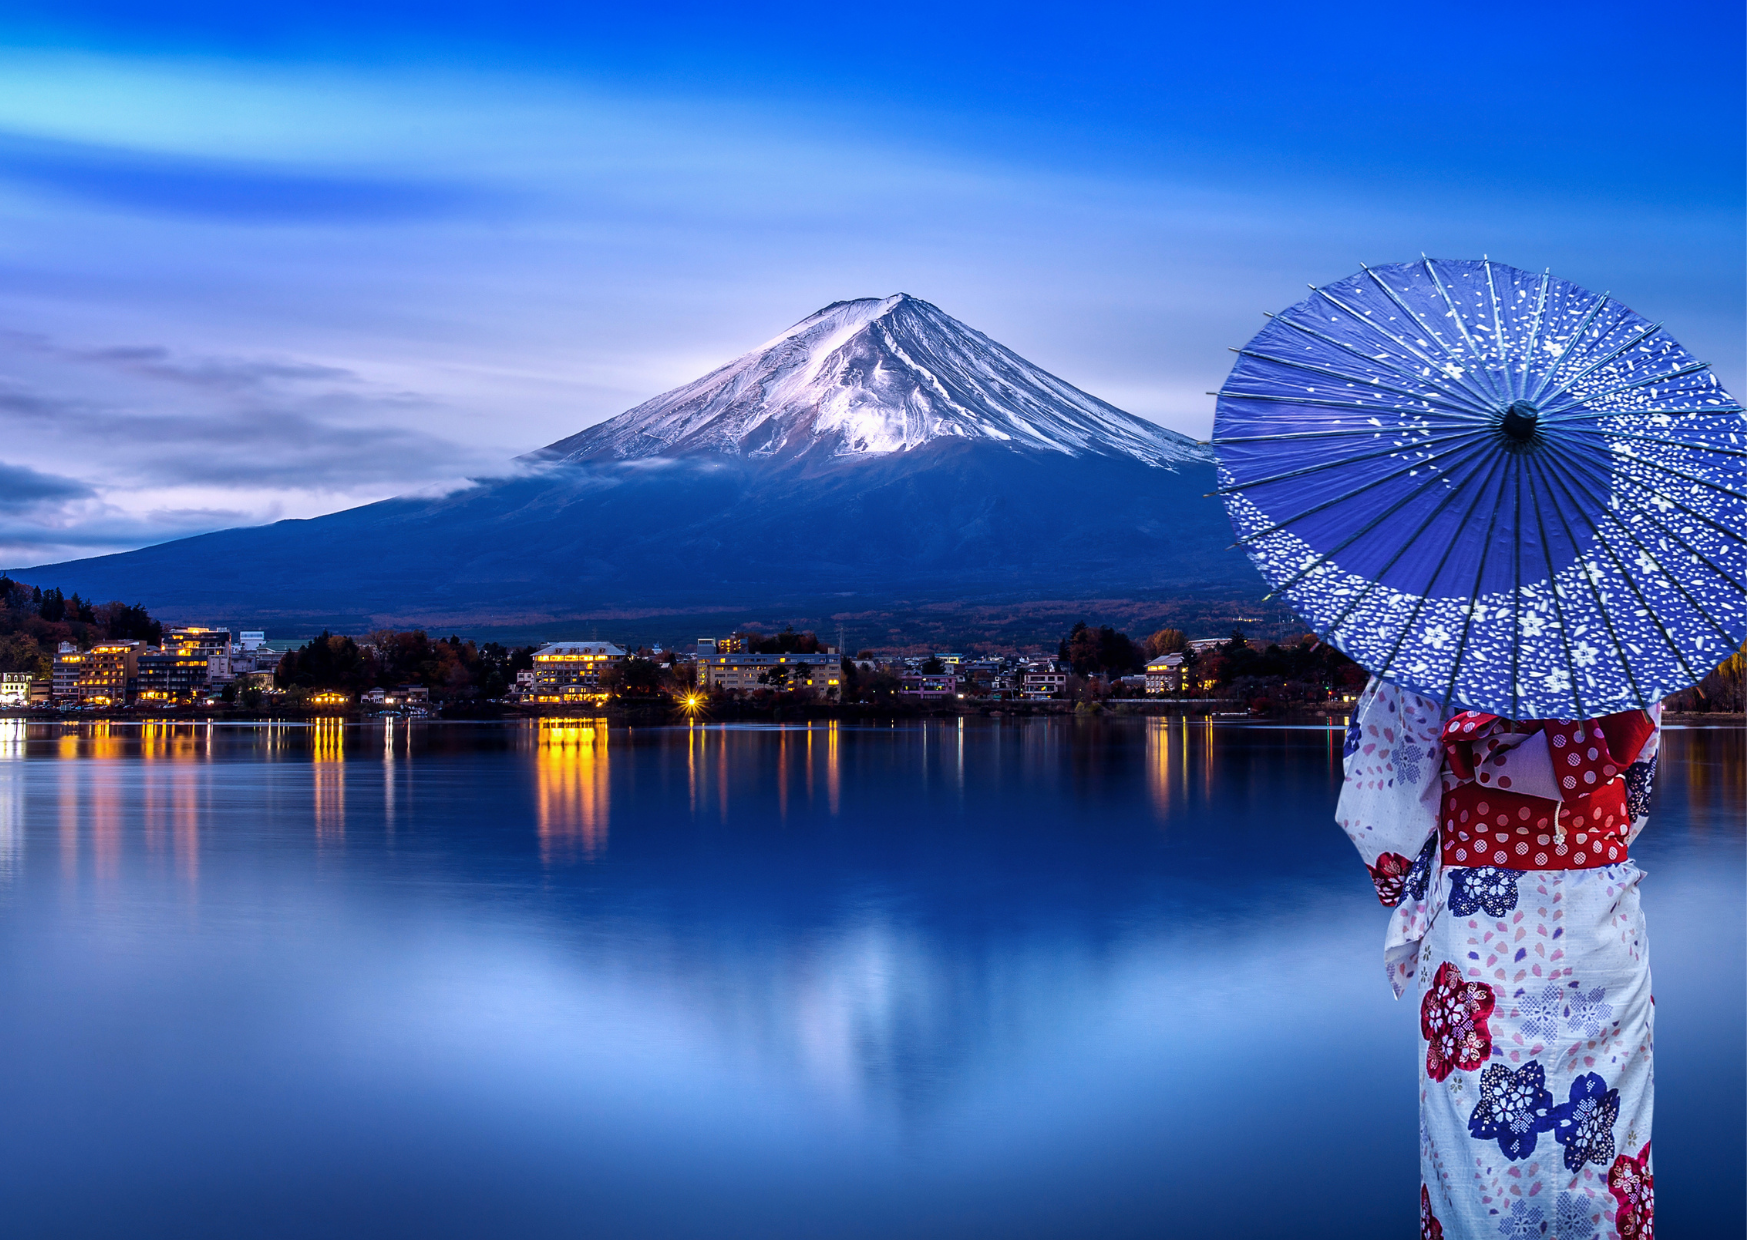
1089	651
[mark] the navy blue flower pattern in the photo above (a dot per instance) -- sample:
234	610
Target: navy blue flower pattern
1421	874
1483	887
1585	1125
1514	1108
1350	744
1639	778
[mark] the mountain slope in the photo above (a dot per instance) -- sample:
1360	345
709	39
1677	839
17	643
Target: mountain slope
878	456
872	376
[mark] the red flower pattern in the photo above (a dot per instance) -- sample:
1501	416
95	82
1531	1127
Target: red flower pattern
1390	877
1630	1182
1453	1020
1430	1227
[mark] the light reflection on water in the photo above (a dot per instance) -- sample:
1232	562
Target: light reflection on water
1027	978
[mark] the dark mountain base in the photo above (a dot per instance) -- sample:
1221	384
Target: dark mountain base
946	543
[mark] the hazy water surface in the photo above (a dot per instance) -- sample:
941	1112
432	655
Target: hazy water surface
1007	978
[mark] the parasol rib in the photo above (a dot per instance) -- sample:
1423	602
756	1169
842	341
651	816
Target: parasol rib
1689	444
1674	646
1567	384
1583	402
1369	384
1487	399
1602	612
1322	466
1463	327
1529	348
1323	402
1367	431
1474	593
1451	493
1626	529
1565	353
1437	570
1498	330
1517	472
1339	499
1410	376
1559	609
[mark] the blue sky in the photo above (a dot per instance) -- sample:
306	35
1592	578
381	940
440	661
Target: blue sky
264	264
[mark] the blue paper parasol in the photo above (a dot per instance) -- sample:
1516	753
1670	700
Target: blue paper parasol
1492	487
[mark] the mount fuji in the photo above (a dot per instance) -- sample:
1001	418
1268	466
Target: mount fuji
878	460
869	377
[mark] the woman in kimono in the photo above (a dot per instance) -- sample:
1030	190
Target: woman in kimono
1502	848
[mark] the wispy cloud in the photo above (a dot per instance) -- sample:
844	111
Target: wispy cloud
23	489
232	189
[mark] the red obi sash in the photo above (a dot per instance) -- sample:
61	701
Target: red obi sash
1482	822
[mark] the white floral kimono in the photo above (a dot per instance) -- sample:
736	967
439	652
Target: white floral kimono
1535	983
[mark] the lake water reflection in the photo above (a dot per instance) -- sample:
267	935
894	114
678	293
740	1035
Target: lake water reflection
1000	977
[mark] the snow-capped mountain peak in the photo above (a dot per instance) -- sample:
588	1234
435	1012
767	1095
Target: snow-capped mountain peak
872	376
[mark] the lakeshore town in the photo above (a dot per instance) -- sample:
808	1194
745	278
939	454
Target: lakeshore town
62	654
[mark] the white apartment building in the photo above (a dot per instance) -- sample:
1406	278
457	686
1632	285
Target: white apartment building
777	673
571	671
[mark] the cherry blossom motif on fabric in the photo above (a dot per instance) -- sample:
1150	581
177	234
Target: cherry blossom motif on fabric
1453	1020
1420	876
1581	1014
1630	1181
1640	776
1483	887
1430	1228
1575	1218
1514	1108
1522	1222
1390	877
1585	1125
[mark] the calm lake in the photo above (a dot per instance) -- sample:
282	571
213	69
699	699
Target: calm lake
1015	978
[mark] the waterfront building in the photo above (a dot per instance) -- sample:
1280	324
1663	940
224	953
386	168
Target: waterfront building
571	671
69	662
253	653
213	646
108	673
1167	673
1044	681
776	673
172	674
929	685
15	689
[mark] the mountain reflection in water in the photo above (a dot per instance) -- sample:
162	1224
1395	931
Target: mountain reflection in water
1017	977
